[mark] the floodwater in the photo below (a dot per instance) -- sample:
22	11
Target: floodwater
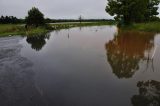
90	66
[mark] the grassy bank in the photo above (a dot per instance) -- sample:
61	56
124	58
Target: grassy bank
17	29
10	29
147	27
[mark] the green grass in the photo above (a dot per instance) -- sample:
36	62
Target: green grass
15	29
10	29
147	27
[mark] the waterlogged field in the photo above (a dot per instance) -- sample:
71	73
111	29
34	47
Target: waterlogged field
91	66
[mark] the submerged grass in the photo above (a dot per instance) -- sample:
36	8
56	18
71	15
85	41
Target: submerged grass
147	27
36	31
83	24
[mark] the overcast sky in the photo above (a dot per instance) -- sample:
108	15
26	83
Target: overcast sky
56	8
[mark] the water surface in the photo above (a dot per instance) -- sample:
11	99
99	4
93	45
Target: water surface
91	66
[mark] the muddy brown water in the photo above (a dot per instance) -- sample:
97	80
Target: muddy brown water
90	66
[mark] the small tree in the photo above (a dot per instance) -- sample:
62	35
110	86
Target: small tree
80	18
35	18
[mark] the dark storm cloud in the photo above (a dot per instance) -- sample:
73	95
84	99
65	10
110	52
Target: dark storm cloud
56	8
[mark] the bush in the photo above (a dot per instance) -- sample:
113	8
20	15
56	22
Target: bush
35	18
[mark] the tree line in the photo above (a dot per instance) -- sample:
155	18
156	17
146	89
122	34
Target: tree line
10	20
48	20
15	20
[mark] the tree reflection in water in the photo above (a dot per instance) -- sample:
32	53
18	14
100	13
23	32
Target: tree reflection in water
149	94
37	42
126	50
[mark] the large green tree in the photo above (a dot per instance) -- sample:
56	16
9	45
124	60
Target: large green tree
35	18
128	11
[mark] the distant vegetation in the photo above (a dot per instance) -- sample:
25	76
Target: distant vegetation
10	20
15	20
48	20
